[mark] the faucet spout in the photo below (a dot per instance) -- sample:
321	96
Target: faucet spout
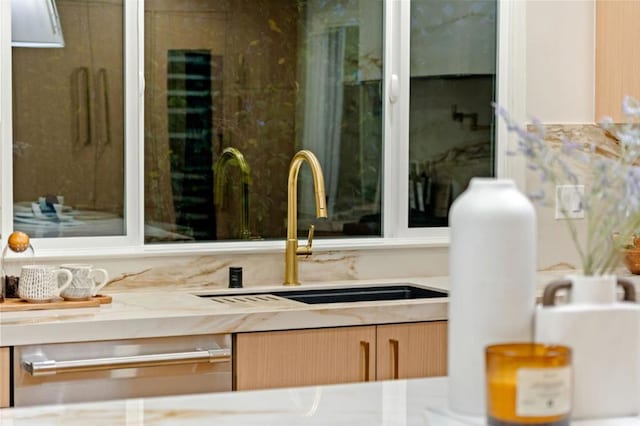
234	157
292	249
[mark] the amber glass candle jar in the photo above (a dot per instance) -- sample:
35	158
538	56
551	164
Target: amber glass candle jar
528	384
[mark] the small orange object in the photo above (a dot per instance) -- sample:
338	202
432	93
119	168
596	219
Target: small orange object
18	241
632	260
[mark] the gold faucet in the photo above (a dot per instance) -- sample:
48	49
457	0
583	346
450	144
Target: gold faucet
292	249
233	156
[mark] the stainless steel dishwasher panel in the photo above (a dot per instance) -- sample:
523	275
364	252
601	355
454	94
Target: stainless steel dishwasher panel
94	371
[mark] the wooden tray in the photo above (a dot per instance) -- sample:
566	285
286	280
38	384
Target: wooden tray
14	305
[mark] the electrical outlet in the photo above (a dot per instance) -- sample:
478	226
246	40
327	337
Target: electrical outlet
569	198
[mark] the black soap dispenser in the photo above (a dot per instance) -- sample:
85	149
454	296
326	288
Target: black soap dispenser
235	277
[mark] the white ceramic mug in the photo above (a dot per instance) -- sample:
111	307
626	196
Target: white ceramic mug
84	284
39	283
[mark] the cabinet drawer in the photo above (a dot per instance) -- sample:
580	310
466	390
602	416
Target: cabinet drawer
304	357
412	350
5	377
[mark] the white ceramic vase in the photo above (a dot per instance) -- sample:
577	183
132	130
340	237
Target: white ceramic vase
604	336
492	269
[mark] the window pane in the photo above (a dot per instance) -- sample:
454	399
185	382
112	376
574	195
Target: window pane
451	130
68	126
261	79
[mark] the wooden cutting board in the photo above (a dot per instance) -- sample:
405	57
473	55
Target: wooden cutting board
14	305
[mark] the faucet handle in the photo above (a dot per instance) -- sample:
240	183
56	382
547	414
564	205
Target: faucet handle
306	250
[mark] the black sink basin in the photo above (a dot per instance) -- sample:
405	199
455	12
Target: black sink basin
357	294
361	294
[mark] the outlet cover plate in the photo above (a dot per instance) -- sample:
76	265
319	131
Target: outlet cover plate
569	196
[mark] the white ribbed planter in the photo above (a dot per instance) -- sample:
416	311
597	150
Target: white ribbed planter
604	336
492	295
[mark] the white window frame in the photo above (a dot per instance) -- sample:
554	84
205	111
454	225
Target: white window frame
511	91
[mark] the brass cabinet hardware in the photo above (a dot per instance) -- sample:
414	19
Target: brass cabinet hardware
395	356
364	350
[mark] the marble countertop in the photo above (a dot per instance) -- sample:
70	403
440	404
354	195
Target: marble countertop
157	314
391	403
154	313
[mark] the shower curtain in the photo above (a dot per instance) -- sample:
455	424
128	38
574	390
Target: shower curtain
323	107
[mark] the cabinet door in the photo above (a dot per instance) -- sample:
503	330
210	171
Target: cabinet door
617	56
412	350
304	357
5	377
51	115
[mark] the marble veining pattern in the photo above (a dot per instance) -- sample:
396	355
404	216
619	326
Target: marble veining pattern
391	403
211	272
156	314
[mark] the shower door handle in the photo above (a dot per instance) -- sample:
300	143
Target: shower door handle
82	106
103	93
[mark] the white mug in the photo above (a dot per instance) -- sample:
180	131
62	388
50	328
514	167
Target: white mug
39	283
84	284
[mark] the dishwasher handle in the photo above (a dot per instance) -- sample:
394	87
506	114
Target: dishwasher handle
44	367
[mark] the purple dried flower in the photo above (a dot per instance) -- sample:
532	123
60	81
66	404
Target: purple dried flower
538	126
606	122
610	199
569	147
537	195
630	138
630	106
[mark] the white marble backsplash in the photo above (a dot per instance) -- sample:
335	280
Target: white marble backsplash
210	272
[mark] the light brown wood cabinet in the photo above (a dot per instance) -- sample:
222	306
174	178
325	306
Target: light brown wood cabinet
406	351
339	355
5	377
617	56
304	357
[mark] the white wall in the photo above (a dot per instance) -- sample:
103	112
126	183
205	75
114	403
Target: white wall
560	90
560	60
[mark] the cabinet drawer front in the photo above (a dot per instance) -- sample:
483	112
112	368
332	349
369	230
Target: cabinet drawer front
115	369
304	357
412	350
5	377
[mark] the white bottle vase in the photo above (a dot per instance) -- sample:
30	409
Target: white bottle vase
604	337
492	267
